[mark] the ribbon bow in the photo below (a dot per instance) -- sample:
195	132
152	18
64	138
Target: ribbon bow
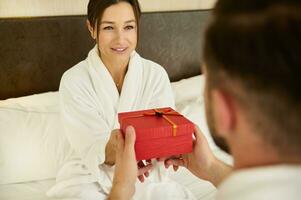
162	113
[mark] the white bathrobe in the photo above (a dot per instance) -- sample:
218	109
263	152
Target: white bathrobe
273	182
89	104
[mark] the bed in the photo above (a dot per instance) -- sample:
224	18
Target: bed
34	54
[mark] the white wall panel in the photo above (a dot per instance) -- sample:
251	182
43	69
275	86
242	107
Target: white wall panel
172	5
32	8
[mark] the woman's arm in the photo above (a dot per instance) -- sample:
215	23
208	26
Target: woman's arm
110	151
87	131
162	92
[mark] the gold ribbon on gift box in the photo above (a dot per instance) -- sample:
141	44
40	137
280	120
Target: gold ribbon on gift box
161	113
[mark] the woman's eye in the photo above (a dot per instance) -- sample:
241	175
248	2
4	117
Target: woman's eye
129	27
108	28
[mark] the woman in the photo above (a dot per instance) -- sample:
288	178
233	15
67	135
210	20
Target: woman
112	79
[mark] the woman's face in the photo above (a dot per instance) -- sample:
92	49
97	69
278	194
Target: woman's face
117	32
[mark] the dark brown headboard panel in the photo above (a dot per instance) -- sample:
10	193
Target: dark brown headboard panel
35	52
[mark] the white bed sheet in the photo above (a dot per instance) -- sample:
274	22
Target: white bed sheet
36	190
26	191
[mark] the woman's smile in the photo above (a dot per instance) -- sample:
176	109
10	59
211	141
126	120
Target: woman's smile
119	50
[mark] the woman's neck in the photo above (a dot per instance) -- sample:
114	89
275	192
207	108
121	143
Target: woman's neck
117	69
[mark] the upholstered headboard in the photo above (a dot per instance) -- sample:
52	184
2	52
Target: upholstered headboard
35	52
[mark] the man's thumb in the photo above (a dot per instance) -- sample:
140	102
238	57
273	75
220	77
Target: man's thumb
130	137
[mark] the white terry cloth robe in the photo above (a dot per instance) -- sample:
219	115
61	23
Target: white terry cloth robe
272	182
90	102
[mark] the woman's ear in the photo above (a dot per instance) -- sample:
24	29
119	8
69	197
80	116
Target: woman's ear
225	112
91	29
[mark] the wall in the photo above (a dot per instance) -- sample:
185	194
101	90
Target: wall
33	8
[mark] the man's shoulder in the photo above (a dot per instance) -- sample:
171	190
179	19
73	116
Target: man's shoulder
271	182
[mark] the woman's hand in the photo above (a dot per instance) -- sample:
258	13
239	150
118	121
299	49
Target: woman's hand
126	170
110	151
143	169
201	161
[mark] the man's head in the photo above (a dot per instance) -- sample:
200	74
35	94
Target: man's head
252	56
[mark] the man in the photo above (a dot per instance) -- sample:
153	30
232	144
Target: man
253	94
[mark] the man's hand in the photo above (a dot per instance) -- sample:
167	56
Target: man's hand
201	162
126	170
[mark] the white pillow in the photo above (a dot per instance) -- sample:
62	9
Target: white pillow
43	102
32	143
188	89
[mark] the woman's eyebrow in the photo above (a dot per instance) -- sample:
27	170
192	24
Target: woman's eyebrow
110	22
107	22
129	21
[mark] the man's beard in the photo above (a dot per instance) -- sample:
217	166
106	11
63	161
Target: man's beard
218	140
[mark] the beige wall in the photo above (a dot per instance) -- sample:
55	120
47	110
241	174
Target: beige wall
31	8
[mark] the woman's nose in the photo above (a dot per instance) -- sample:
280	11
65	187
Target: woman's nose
120	35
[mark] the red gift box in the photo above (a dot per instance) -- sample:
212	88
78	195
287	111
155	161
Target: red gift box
159	132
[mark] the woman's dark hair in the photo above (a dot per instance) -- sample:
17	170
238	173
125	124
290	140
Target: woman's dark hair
96	9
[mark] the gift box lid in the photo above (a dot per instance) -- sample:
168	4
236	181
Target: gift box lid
156	123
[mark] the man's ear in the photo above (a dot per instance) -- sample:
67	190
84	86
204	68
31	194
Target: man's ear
224	112
91	29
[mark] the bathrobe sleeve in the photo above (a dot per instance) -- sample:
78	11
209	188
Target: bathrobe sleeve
162	95
85	128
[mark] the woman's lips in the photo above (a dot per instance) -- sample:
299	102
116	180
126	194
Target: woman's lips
119	49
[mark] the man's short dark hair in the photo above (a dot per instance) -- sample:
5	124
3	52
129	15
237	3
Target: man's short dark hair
256	44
